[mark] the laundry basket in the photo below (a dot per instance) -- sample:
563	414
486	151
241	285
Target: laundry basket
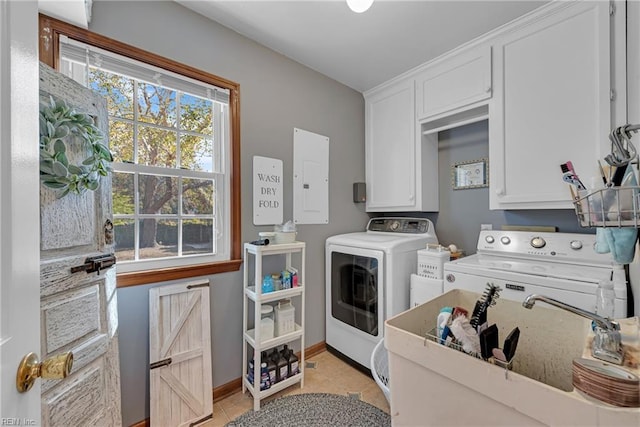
380	368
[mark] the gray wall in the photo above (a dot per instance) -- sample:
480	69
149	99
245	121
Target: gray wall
463	211
276	95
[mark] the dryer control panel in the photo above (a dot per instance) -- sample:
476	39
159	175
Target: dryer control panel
400	225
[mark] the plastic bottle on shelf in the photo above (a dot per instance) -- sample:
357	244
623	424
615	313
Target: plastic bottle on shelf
286	279
271	369
264	377
251	364
277	282
267	284
250	371
282	368
285	351
267	323
293	363
273	356
285	317
294	277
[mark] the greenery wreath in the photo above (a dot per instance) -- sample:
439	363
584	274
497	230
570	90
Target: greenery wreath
58	121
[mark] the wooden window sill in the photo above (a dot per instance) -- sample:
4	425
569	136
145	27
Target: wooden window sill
174	273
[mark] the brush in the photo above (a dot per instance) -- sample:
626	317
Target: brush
570	176
489	297
604	176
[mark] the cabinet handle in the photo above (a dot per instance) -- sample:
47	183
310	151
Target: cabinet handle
500	191
411	197
488	89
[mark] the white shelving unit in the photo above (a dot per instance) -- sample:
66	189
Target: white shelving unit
253	299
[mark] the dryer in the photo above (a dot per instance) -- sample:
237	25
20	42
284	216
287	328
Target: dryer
367	281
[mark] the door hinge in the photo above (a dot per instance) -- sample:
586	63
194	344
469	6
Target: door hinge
612	95
612	8
95	263
160	363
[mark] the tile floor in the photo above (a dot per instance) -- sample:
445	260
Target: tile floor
331	375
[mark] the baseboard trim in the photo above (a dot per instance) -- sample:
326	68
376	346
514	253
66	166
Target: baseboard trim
143	423
315	349
226	390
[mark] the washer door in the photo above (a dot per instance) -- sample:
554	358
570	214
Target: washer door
355	295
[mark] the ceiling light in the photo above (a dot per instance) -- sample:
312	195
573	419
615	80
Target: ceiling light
359	6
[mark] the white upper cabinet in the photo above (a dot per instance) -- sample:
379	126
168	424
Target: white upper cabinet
401	174
551	83
390	147
454	83
551	104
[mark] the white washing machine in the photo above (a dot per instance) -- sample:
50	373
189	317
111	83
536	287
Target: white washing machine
563	266
367	281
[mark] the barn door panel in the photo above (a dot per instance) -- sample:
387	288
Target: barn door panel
180	354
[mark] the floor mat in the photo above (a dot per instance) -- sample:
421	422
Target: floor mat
314	410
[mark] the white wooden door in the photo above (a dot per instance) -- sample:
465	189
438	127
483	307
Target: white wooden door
78	310
19	183
180	354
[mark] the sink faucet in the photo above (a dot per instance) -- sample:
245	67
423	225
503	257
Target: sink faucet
607	345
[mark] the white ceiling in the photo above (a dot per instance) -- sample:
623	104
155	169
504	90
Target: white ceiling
361	50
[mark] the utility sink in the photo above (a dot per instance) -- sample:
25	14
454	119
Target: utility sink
549	340
436	385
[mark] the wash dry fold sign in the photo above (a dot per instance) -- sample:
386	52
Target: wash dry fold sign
267	191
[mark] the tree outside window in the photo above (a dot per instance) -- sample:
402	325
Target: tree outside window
165	166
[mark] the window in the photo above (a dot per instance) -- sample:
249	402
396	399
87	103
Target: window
173	143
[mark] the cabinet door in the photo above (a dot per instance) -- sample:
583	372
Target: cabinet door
390	148
551	104
452	84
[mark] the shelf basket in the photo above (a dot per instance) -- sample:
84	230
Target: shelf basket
609	207
432	335
454	344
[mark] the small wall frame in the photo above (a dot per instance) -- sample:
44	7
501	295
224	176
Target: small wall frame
470	174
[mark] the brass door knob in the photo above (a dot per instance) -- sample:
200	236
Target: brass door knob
53	368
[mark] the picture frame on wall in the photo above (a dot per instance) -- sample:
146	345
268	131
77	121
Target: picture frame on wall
470	174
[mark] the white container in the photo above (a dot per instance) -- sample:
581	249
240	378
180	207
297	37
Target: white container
431	262
285	317
267	324
423	289
284	237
